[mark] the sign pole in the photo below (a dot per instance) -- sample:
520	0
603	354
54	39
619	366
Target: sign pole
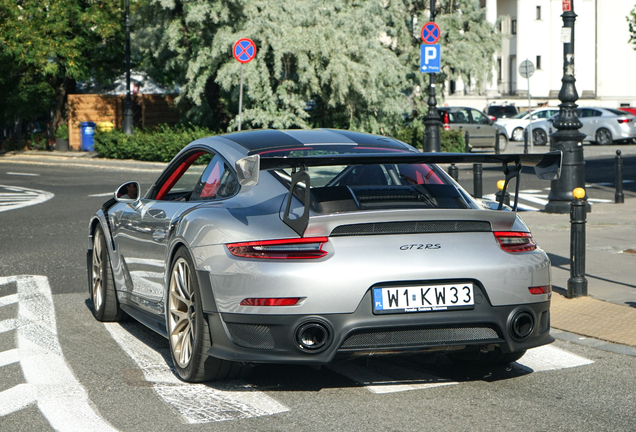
240	98
430	35
244	51
529	111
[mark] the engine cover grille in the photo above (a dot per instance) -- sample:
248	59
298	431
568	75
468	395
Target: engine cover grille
412	227
251	336
405	338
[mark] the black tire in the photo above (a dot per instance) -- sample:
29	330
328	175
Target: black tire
481	359
539	137
517	134
603	137
101	284
188	329
503	142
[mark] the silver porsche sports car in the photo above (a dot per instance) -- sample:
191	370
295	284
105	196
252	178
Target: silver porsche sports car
301	246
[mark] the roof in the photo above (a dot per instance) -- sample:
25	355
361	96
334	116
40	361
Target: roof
256	141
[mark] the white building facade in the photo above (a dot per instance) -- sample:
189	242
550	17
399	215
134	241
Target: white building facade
605	61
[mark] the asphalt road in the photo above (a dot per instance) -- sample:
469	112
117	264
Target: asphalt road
61	369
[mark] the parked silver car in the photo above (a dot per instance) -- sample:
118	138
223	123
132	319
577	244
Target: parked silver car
515	125
600	125
481	130
299	246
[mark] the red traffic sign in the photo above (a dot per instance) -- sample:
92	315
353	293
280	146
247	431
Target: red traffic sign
244	50
430	33
567	5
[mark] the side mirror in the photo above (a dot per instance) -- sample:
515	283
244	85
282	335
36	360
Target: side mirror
534	117
248	170
128	193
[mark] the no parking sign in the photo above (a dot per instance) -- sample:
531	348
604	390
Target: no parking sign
244	50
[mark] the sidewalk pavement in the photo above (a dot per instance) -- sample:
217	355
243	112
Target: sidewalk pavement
608	313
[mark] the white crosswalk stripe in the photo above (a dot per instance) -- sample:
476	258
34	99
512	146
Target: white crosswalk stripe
50	384
197	403
381	378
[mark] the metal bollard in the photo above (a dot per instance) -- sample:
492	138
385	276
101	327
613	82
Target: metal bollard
525	142
453	172
619	198
467	142
497	151
577	283
477	181
506	197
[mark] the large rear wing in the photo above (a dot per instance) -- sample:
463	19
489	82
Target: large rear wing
547	166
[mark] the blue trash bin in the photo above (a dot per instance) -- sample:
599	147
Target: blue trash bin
87	136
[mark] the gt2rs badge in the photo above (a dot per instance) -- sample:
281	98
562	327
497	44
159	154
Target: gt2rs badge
421	246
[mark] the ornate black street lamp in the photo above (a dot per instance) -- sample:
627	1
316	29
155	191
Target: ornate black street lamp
432	141
128	113
568	139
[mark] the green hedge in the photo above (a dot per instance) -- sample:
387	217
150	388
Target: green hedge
156	145
451	141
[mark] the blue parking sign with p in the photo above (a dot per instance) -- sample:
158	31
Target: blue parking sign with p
430	56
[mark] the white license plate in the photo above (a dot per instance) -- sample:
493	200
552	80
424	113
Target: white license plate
423	298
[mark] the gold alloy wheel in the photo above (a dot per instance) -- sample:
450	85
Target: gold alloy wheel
98	271
181	313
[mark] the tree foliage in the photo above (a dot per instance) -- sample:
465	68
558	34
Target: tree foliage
344	63
318	63
46	46
631	19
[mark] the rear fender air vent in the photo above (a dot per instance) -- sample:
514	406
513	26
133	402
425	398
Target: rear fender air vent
412	227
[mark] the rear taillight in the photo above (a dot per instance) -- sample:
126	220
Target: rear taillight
301	248
624	120
545	289
287	301
512	241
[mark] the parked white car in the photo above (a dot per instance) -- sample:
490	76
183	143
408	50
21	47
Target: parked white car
601	126
515	125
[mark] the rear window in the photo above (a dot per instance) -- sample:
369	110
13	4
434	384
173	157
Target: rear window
502	110
617	112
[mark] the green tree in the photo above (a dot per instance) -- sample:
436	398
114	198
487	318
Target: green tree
344	63
318	63
631	19
47	46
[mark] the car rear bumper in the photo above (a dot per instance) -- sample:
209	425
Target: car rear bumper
274	338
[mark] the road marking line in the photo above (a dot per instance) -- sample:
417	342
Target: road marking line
24	197
23	174
379	383
110	194
9	357
197	403
548	357
380	377
16	398
8	299
49	381
8	325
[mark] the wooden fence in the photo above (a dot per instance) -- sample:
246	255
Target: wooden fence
148	111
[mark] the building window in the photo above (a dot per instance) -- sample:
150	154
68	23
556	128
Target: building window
499	79
538	62
513	27
538	12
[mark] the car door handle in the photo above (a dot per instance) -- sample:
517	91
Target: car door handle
157	213
159	235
